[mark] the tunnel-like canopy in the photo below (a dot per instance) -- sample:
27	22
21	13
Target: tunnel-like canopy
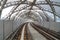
43	10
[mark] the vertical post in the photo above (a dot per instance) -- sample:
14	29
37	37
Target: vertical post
12	26
54	18
0	14
52	8
49	25
0	9
3	29
2	3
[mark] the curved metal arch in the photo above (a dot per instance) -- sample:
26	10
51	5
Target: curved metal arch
52	11
22	13
22	8
34	13
48	17
44	9
27	12
41	9
40	17
33	9
47	10
18	11
52	8
13	8
12	11
17	14
44	19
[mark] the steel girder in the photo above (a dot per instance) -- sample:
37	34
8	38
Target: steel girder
48	17
38	7
43	9
45	3
13	3
22	8
52	8
38	3
43	17
20	14
2	3
31	4
18	11
24	12
17	2
12	11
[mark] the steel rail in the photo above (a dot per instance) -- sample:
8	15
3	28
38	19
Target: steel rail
48	37
51	32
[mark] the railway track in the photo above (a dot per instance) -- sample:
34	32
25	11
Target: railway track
27	34
23	33
51	32
48	34
15	34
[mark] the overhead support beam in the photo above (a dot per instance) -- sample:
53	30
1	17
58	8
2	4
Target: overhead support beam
52	8
31	4
12	11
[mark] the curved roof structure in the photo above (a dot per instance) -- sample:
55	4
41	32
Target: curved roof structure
46	10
